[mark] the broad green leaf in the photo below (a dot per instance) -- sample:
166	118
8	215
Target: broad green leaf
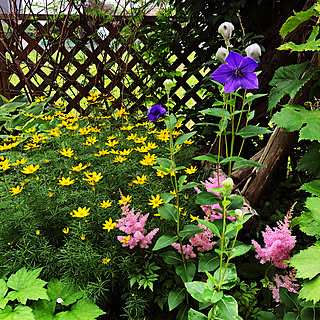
196	315
265	315
208	157
287	80
236	202
290	299
184	137
165	163
82	310
3	292
164	241
212	227
290	316
168	211
182	180
226	308
306	262
67	292
311	44
171	257
170	122
229	276
253	97
166	197
308	224
175	298
230	159
19	313
207	198
189	185
293	119
310	160
208	262
240	250
217	112
313	205
252	131
44	310
182	313
311	290
247	163
187	272
196	289
27	286
295	20
313	187
189	231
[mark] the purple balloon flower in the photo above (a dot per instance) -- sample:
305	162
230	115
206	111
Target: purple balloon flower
155	112
237	72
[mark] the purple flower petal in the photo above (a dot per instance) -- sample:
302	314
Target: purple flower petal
248	64
232	85
155	112
234	59
222	73
249	81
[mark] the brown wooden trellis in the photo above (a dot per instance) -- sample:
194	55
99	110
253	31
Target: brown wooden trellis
80	37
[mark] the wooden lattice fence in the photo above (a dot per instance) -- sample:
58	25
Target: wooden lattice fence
70	58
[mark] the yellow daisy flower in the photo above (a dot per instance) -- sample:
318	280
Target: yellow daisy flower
30	169
105	204
155	201
109	225
80	213
65	181
67	153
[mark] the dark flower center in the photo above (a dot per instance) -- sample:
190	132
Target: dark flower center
237	72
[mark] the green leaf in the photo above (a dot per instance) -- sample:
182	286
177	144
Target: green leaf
67	292
313	205
168	211
27	286
3	291
236	202
207	198
230	159
187	272
308	224
240	250
182	313
290	299
165	163
175	298
226	308
189	185
287	80
207	157
311	44
212	227
44	310
217	112
189	231
208	262
82	310
313	187
252	131
294	21
310	160
166	197
229	278
247	163
196	289
293	119
311	290
171	257
19	313
164	241
306	262
196	315
184	137
265	315
170	122
253	97
290	316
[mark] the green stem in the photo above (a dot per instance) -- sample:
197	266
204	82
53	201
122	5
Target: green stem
222	244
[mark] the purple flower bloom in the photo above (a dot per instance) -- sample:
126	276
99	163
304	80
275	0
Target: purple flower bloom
237	72
155	112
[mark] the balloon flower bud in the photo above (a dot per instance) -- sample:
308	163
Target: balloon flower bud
168	85
253	51
222	54
227	184
226	29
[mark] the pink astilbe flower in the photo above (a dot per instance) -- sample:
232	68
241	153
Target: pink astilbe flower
278	243
133	225
286	281
210	210
187	250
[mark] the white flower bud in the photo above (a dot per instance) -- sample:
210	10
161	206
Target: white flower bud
253	51
59	300
222	54
168	84
226	29
227	184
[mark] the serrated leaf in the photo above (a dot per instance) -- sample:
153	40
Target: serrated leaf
27	286
67	292
294	21
164	241
310	160
82	310
308	224
19	313
186	272
196	315
311	44
293	119
208	262
252	131
313	187
171	257
287	80
175	298
306	263
44	310
313	205
184	137
311	290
